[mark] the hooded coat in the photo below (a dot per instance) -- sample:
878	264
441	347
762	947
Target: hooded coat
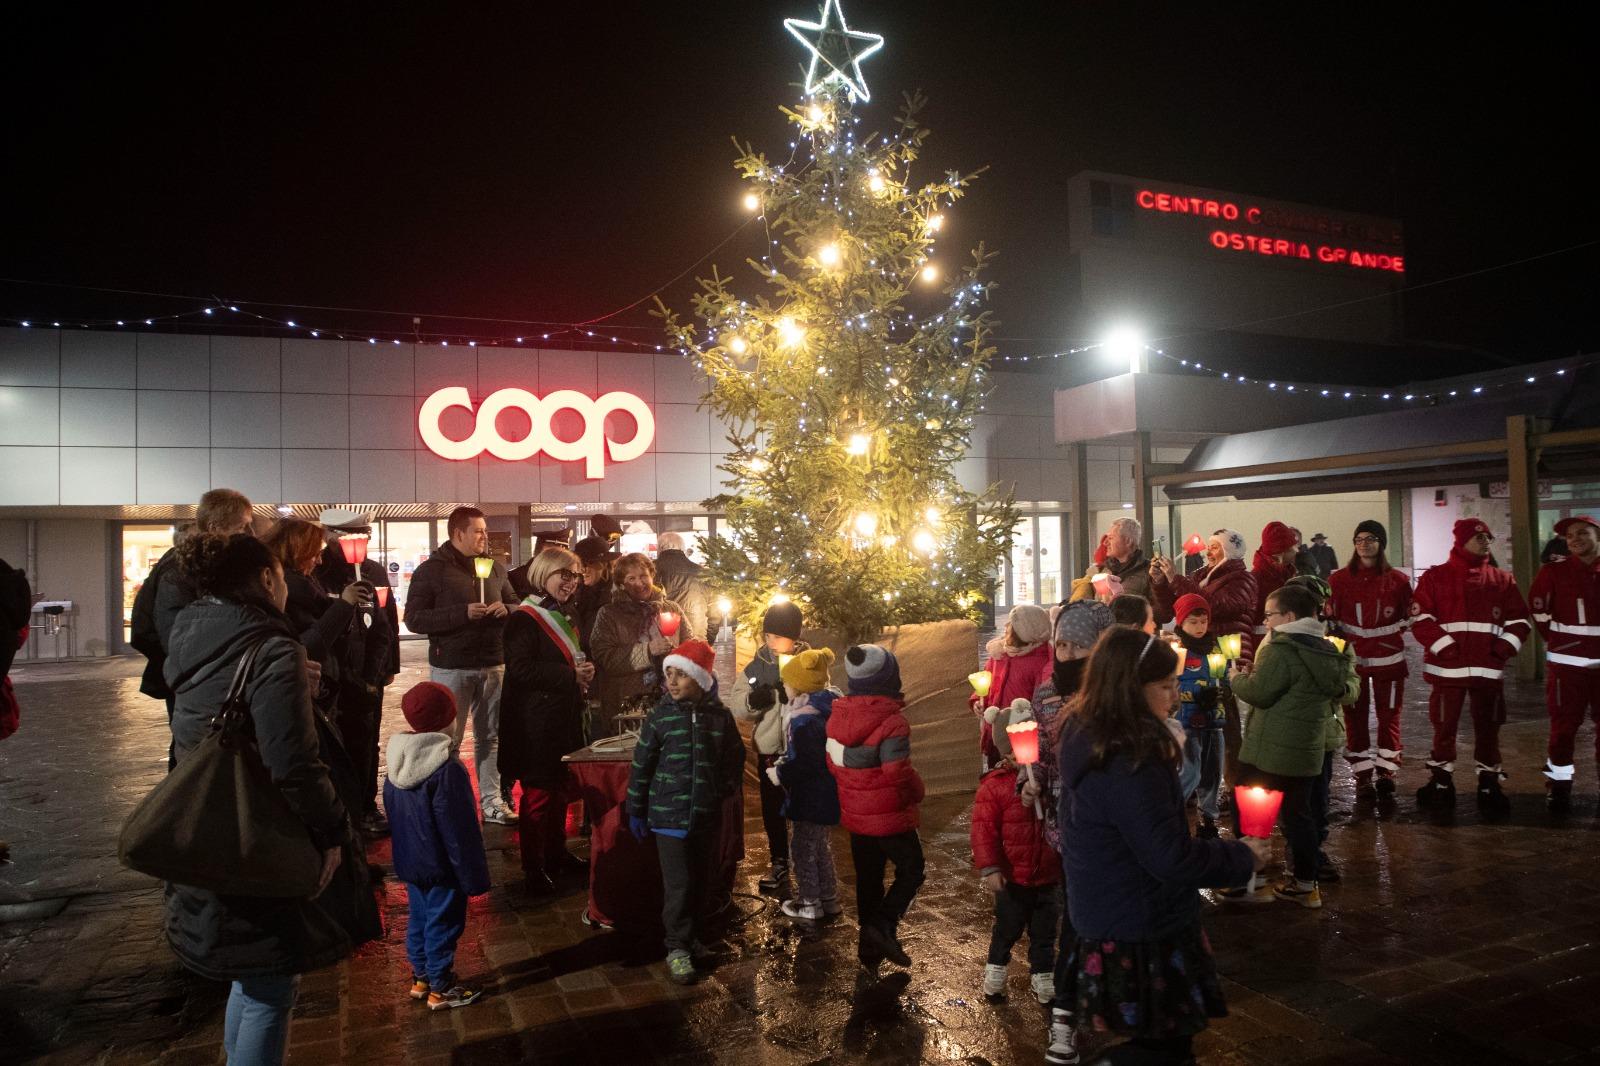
433	816
1230	591
229	937
1131	866
810	793
1007	836
1270	576
1298	686
1470	618
541	704
869	753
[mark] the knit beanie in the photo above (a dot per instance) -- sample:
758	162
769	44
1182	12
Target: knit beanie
1188	604
782	620
1030	624
1277	537
999	717
429	707
1082	622
1467	528
695	658
1375	528
1232	543
873	671
807	671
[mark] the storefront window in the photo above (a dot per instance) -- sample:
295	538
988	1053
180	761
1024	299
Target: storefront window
1050	559
1023	587
142	548
401	547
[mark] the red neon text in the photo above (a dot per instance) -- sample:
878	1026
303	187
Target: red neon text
1248	242
1171	204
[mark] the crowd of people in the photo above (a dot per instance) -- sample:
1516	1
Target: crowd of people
1154	691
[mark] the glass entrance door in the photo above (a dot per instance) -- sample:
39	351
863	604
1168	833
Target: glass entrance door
142	548
402	546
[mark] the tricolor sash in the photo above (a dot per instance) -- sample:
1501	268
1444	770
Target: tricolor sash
557	627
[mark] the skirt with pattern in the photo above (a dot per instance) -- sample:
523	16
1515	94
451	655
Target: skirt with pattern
1144	988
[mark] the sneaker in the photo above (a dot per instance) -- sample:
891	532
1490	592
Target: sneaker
886	944
776	880
453	997
1063	1049
1044	986
994	981
1326	870
419	988
1258	891
499	815
680	967
1305	893
801	910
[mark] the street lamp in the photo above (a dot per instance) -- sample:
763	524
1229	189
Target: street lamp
1125	346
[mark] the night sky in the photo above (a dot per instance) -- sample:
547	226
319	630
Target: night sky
555	165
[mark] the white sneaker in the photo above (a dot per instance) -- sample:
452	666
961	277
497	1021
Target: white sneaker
1044	986
802	910
1063	1049
499	815
994	980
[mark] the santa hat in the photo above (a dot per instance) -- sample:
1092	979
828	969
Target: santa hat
695	658
1232	543
807	671
1277	537
1467	528
429	707
1577	520
1188	604
1030	624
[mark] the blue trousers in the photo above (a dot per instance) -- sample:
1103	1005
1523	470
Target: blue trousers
255	1029
1208	751
437	919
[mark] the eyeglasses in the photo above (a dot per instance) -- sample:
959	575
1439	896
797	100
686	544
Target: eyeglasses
564	576
1364	540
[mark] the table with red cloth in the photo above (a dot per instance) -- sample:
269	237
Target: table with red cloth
624	874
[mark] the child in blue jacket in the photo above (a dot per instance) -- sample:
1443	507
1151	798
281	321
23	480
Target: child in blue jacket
438	847
1200	709
811	797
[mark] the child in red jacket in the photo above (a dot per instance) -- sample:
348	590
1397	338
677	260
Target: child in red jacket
869	753
1017	865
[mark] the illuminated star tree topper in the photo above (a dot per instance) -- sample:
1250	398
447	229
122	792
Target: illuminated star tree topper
836	51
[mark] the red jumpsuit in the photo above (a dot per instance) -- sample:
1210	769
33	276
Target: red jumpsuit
1373	609
1566	607
1470	619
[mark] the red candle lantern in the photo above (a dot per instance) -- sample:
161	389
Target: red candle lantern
1258	810
668	621
383	596
354	546
1024	737
1194	545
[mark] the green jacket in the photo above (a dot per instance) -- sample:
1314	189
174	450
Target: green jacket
688	760
1299	683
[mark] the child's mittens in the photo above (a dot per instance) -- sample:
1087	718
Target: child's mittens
638	827
772	775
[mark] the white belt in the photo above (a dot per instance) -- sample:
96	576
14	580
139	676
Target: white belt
1387	660
1582	631
1462	671
1381	631
1572	660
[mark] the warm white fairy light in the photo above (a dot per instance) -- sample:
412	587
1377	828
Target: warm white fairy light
790	332
828	255
738	345
859	444
930	273
752	202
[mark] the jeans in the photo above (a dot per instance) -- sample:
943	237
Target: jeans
1297	817
542	827
814	877
685	864
1319	799
1189	770
477	692
1209	747
437	918
772	819
1034	909
871	856
255	1030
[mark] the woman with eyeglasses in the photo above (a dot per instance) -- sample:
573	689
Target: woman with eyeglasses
541	713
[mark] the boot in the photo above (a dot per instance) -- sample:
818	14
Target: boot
1491	800
1384	785
536	882
1440	791
1559	798
1364	789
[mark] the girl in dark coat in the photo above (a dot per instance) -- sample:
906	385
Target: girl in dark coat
541	712
261	945
1141	964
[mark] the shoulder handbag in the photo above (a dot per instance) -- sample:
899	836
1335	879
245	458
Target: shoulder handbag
217	821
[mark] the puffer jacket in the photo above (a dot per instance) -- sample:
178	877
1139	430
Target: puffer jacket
1373	610
1131	866
436	604
622	631
1199	694
1016	673
541	703
1565	598
1298	687
810	793
869	753
766	722
1007	837
433	816
230	937
688	760
1470	618
1230	590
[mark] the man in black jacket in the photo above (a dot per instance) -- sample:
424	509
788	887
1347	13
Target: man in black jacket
679	577
369	659
466	649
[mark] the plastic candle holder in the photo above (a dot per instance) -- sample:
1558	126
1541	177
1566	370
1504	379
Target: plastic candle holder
1230	645
1218	664
668	621
383	596
354	547
1337	642
483	566
1024	737
980	682
1258	810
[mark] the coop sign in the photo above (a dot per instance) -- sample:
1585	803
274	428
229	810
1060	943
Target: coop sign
1297	234
592	447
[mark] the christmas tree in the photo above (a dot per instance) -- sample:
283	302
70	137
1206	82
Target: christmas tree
851	371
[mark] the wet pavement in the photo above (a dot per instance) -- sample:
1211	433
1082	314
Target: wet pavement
1449	940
